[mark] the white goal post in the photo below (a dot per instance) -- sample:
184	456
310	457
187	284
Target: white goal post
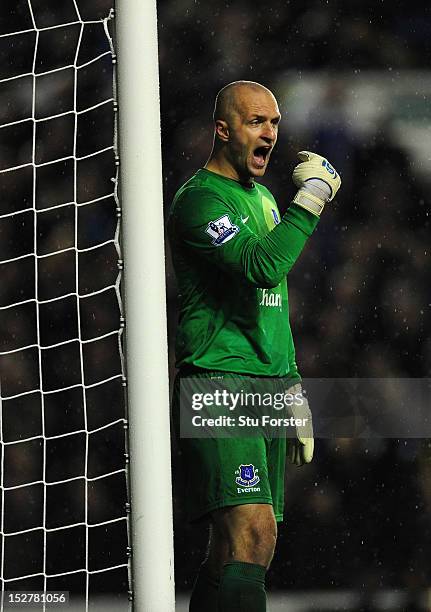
145	300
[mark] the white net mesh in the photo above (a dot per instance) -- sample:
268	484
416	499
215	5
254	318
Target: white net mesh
64	523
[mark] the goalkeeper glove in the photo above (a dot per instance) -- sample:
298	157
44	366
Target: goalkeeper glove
317	180
300	450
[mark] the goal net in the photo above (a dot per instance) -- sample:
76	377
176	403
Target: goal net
64	501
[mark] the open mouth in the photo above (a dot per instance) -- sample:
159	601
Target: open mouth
260	155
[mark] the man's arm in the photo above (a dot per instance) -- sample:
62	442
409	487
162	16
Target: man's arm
262	261
210	227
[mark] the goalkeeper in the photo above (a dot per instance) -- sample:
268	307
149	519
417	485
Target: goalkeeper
232	252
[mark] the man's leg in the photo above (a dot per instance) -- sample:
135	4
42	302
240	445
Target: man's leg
206	586
246	532
242	547
218	473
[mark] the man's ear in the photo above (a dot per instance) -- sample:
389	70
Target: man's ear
222	130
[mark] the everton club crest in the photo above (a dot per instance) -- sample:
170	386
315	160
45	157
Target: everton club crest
247	475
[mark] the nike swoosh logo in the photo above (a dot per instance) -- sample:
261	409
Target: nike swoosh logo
245	219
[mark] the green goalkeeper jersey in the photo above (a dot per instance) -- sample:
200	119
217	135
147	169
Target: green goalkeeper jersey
231	253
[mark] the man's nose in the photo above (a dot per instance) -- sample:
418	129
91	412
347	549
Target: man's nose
269	133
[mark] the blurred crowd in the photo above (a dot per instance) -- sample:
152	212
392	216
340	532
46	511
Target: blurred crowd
359	516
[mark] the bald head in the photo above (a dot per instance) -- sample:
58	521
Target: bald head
232	98
246	118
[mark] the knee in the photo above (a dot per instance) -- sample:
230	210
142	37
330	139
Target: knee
255	543
261	537
248	533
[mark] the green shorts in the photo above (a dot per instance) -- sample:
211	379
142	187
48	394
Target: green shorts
221	472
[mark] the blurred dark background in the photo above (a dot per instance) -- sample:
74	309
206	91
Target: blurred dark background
353	83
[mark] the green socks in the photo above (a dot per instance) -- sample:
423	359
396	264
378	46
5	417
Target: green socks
242	588
205	593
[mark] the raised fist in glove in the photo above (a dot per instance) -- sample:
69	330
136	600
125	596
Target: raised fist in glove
317	180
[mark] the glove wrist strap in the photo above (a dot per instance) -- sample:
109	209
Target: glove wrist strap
310	202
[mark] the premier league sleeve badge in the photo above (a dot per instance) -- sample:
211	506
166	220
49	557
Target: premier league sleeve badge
221	230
